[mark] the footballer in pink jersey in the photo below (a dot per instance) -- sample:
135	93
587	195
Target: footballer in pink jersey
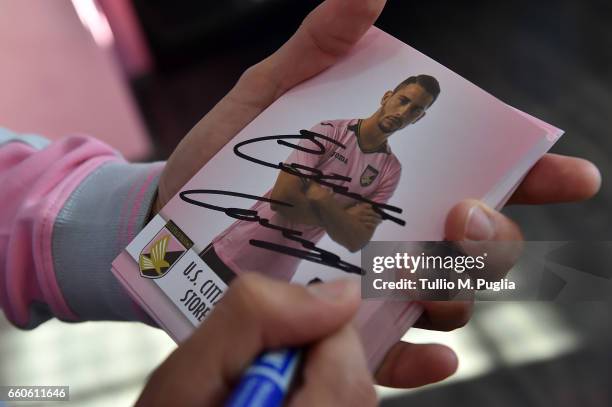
360	152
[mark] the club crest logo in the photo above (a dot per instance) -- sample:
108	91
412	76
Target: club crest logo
368	176
166	247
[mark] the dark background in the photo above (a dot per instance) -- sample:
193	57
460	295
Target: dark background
552	59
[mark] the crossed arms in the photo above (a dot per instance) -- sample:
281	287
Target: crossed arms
351	226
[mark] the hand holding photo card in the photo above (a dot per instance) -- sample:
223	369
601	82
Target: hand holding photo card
394	141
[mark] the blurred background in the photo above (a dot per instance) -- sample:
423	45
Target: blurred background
139	74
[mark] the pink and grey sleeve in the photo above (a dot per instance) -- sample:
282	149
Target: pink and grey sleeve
68	208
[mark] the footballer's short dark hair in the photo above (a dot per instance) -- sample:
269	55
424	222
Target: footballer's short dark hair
427	82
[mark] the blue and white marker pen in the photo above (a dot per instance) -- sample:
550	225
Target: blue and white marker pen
267	381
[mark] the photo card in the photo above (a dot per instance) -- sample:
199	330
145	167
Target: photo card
378	147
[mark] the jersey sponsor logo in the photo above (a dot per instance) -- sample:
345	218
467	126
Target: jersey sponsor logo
368	176
339	156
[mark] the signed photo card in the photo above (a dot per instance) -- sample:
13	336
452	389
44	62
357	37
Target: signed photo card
378	147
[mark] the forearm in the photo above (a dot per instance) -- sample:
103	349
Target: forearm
74	204
90	231
341	226
300	211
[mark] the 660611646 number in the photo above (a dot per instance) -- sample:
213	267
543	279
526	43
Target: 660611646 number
34	393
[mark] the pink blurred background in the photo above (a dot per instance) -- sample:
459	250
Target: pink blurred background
64	71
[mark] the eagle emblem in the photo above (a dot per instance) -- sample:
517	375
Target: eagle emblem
368	176
153	264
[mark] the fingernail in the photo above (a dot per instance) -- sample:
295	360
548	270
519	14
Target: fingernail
338	290
479	226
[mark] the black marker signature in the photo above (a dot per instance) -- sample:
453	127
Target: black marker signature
314	173
313	253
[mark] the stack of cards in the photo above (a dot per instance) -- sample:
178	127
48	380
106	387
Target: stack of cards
387	133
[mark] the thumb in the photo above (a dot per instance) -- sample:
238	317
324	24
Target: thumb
326	34
473	220
479	230
256	313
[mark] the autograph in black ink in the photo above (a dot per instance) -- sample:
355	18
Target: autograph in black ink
312	252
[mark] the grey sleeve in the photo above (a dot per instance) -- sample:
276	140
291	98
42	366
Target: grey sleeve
101	216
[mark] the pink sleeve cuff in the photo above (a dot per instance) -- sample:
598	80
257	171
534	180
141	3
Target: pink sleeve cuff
44	225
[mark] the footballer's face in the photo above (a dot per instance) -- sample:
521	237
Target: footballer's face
403	107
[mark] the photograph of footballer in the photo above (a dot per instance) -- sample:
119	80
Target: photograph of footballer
315	210
296	204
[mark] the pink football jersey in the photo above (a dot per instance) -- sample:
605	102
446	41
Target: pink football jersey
374	175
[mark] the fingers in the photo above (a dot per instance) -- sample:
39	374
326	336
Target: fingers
257	313
371	216
558	178
444	315
326	34
371	221
336	373
479	229
365	214
474	221
409	365
368	216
